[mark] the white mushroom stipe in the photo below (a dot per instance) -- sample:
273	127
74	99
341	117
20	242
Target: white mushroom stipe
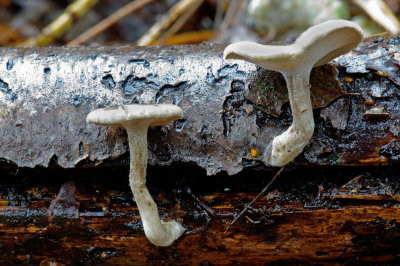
314	47
136	119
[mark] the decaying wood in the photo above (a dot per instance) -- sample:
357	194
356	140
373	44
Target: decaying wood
231	107
345	216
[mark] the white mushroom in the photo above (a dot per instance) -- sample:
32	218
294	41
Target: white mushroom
314	47
380	12
136	119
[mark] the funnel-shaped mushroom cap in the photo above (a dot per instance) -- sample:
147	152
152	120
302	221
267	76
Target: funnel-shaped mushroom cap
156	114
316	46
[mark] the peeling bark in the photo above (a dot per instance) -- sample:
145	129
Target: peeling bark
46	93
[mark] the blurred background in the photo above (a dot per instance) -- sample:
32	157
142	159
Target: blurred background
165	22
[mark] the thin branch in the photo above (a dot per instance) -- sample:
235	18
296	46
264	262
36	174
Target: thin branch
255	199
155	31
219	14
178	24
61	24
108	22
232	16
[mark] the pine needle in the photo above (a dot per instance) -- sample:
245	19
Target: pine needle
108	22
61	24
155	31
255	199
178	24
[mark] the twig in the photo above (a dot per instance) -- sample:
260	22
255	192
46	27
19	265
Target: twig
255	199
219	14
233	15
61	24
155	31
230	14
108	22
209	212
180	21
200	202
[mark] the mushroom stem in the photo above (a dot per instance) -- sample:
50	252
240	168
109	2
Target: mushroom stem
314	47
159	233
290	143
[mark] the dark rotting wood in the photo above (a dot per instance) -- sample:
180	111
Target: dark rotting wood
334	215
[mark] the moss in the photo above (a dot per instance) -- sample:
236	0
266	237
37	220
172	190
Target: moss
267	89
262	84
335	158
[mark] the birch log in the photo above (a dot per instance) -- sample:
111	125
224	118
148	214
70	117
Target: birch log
232	109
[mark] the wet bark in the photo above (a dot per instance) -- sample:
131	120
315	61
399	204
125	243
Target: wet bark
233	109
320	215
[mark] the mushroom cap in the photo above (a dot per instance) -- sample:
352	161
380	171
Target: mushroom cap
156	114
316	46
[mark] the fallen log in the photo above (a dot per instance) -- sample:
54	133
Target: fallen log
336	215
232	109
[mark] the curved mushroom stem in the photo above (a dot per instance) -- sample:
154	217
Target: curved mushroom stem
290	143
159	233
